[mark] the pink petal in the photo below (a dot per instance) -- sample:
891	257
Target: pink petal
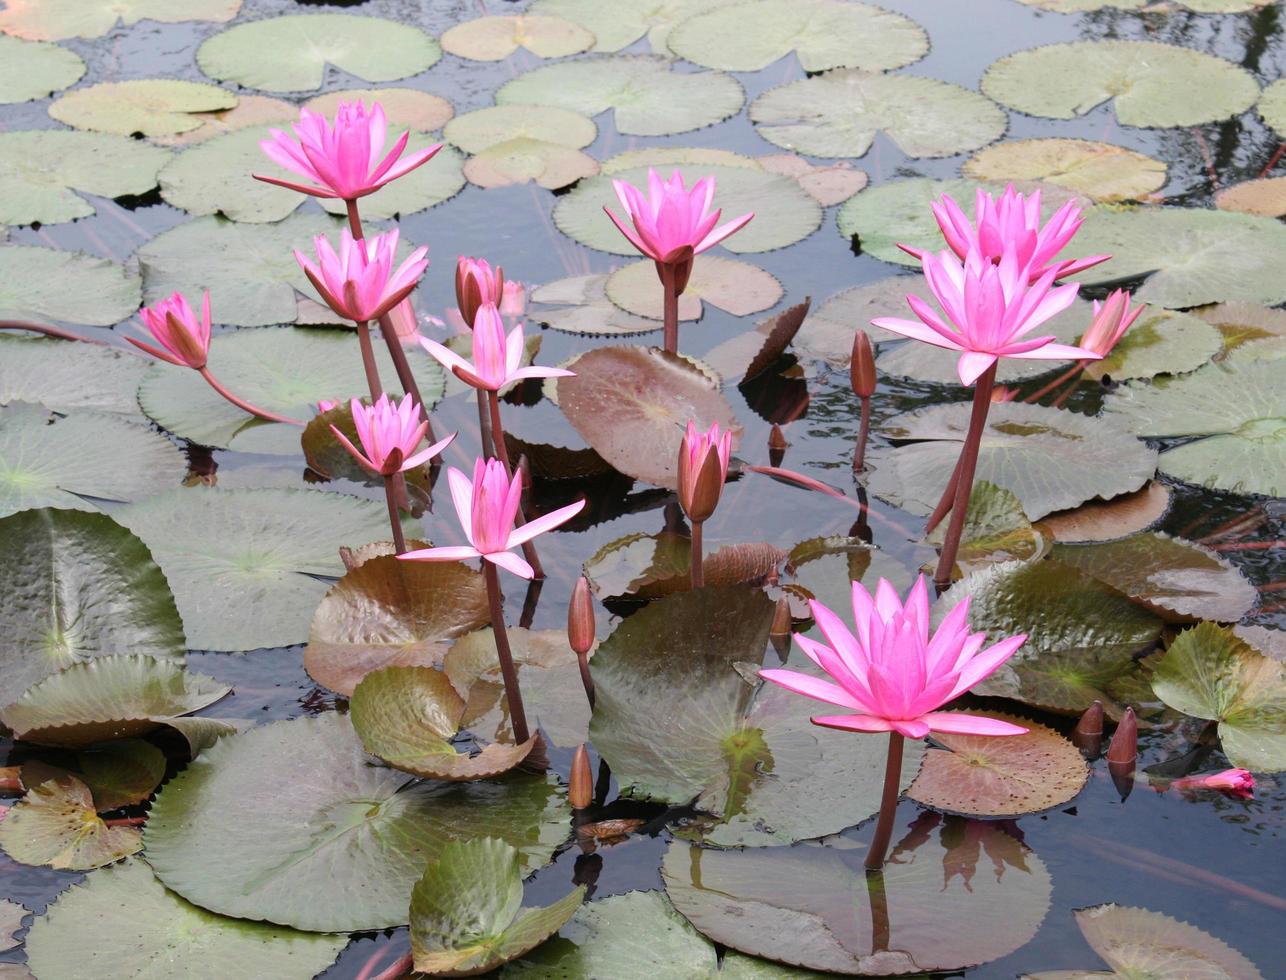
545	523
914	330
812	687
854	723
956	723
454	553
445	355
302	188
511	563
972	364
462	498
723	231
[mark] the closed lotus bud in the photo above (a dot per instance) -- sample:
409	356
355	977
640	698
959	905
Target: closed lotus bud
861	368
580	788
1088	734
779	632
476	284
1124	746
703	467
580	618
777	438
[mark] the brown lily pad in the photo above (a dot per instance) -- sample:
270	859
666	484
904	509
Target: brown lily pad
649	566
749	354
1242	322
55	825
1100	171
1266	197
830	184
1104	520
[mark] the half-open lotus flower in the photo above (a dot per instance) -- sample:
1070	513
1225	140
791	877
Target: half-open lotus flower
1012	224
477	283
359	282
487	506
345	159
389	434
703	469
497	358
990	309
1112	318
891	674
184	337
1235	782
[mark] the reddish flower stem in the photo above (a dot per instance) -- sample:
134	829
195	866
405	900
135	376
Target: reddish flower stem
1204	147
698	573
484	425
368	361
394	518
864	429
945	501
1272	162
1071	372
126	822
502	454
888	804
61	334
964	476
1248	546
517	716
398	968
245	406
671	335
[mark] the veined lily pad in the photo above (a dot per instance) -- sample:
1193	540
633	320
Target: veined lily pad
995	529
496	38
290	53
250	110
66	376
1209	672
122	921
838	113
57	20
121	773
32	70
55	825
1266	197
519	160
476	131
79	586
466	910
1048	458
248	567
666	157
631	403
339	851
581	306
151	106
823	33
1159	342
1115	518
70	461
617	24
748	355
828	331
648	98
735	287
830	184
1100	171
91	290
1272	106
1150	84
406	108
827	567
41	171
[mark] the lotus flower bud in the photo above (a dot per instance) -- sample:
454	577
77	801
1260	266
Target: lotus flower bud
476	284
1124	746
1111	319
1088	734
580	788
513	299
779	632
861	368
580	618
703	467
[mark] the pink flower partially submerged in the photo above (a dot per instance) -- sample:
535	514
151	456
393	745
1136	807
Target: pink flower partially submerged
358	282
892	673
513	299
487	506
1235	782
344	159
497	359
184	337
389	434
990	308
703	469
1111	319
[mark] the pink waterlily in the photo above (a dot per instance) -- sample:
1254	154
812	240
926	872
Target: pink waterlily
345	159
359	282
1012	225
670	218
990	308
389	433
476	284
497	358
1112	318
1235	782
701	484
184	336
892	674
486	507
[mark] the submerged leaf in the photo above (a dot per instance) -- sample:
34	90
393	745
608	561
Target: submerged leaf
121	773
55	825
581	306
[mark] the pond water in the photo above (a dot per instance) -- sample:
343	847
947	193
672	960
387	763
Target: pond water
1210	860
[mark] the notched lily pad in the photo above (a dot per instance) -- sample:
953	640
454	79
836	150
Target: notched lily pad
580	305
91	290
648	566
735	287
64	376
617	24
496	38
518	161
1159	342
55	825
121	773
1100	171
151	106
57	20
1115	518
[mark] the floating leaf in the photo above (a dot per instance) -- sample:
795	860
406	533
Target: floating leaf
32	70
826	567
65	377
828	331
838	113
290	53
248	567
466	910
1149	84
582	307
1272	106
750	354
476	131
932	908
406	108
1159	342
11	916
1204	6
79	586
648	98
55	825
151	106
122	922
91	290
1100	171
70	461
1000	777
648	566
1209	672
735	287
517	161
823	33
496	38
631	403
1265	197
342	847
827	185
995	529
250	110
1115	518
57	20
663	156
617	24
1048	458
121	773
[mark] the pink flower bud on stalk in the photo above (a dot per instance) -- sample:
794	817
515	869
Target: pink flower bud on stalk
580	786
359	281
1123	752
1111	319
861	373
703	468
389	433
476	284
581	630
1234	782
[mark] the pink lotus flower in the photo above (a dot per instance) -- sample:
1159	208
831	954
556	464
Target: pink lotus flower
342	160
1235	782
1111	319
487	507
359	282
703	469
476	284
496	358
185	339
990	309
389	434
1012	225
891	673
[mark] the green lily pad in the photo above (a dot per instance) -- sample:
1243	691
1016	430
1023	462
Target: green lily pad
995	529
738	288
838	113
631	404
32	69
823	33
784	213
250	110
1150	84
290	53
1272	106
1237	407
1265	197
111	697
496	38
42	170
827	332
55	825
648	98
283	370
79	586
1190	256
826	568
474	132
91	290
151	106
520	160
1048	458
1178	580
342	847
932	908
1100	171
1159	342
70	461
1209	672
466	910
580	305
57	20
248	567
617	24
121	773
122	922
66	376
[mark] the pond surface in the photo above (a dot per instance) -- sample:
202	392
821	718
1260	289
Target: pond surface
1209	860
